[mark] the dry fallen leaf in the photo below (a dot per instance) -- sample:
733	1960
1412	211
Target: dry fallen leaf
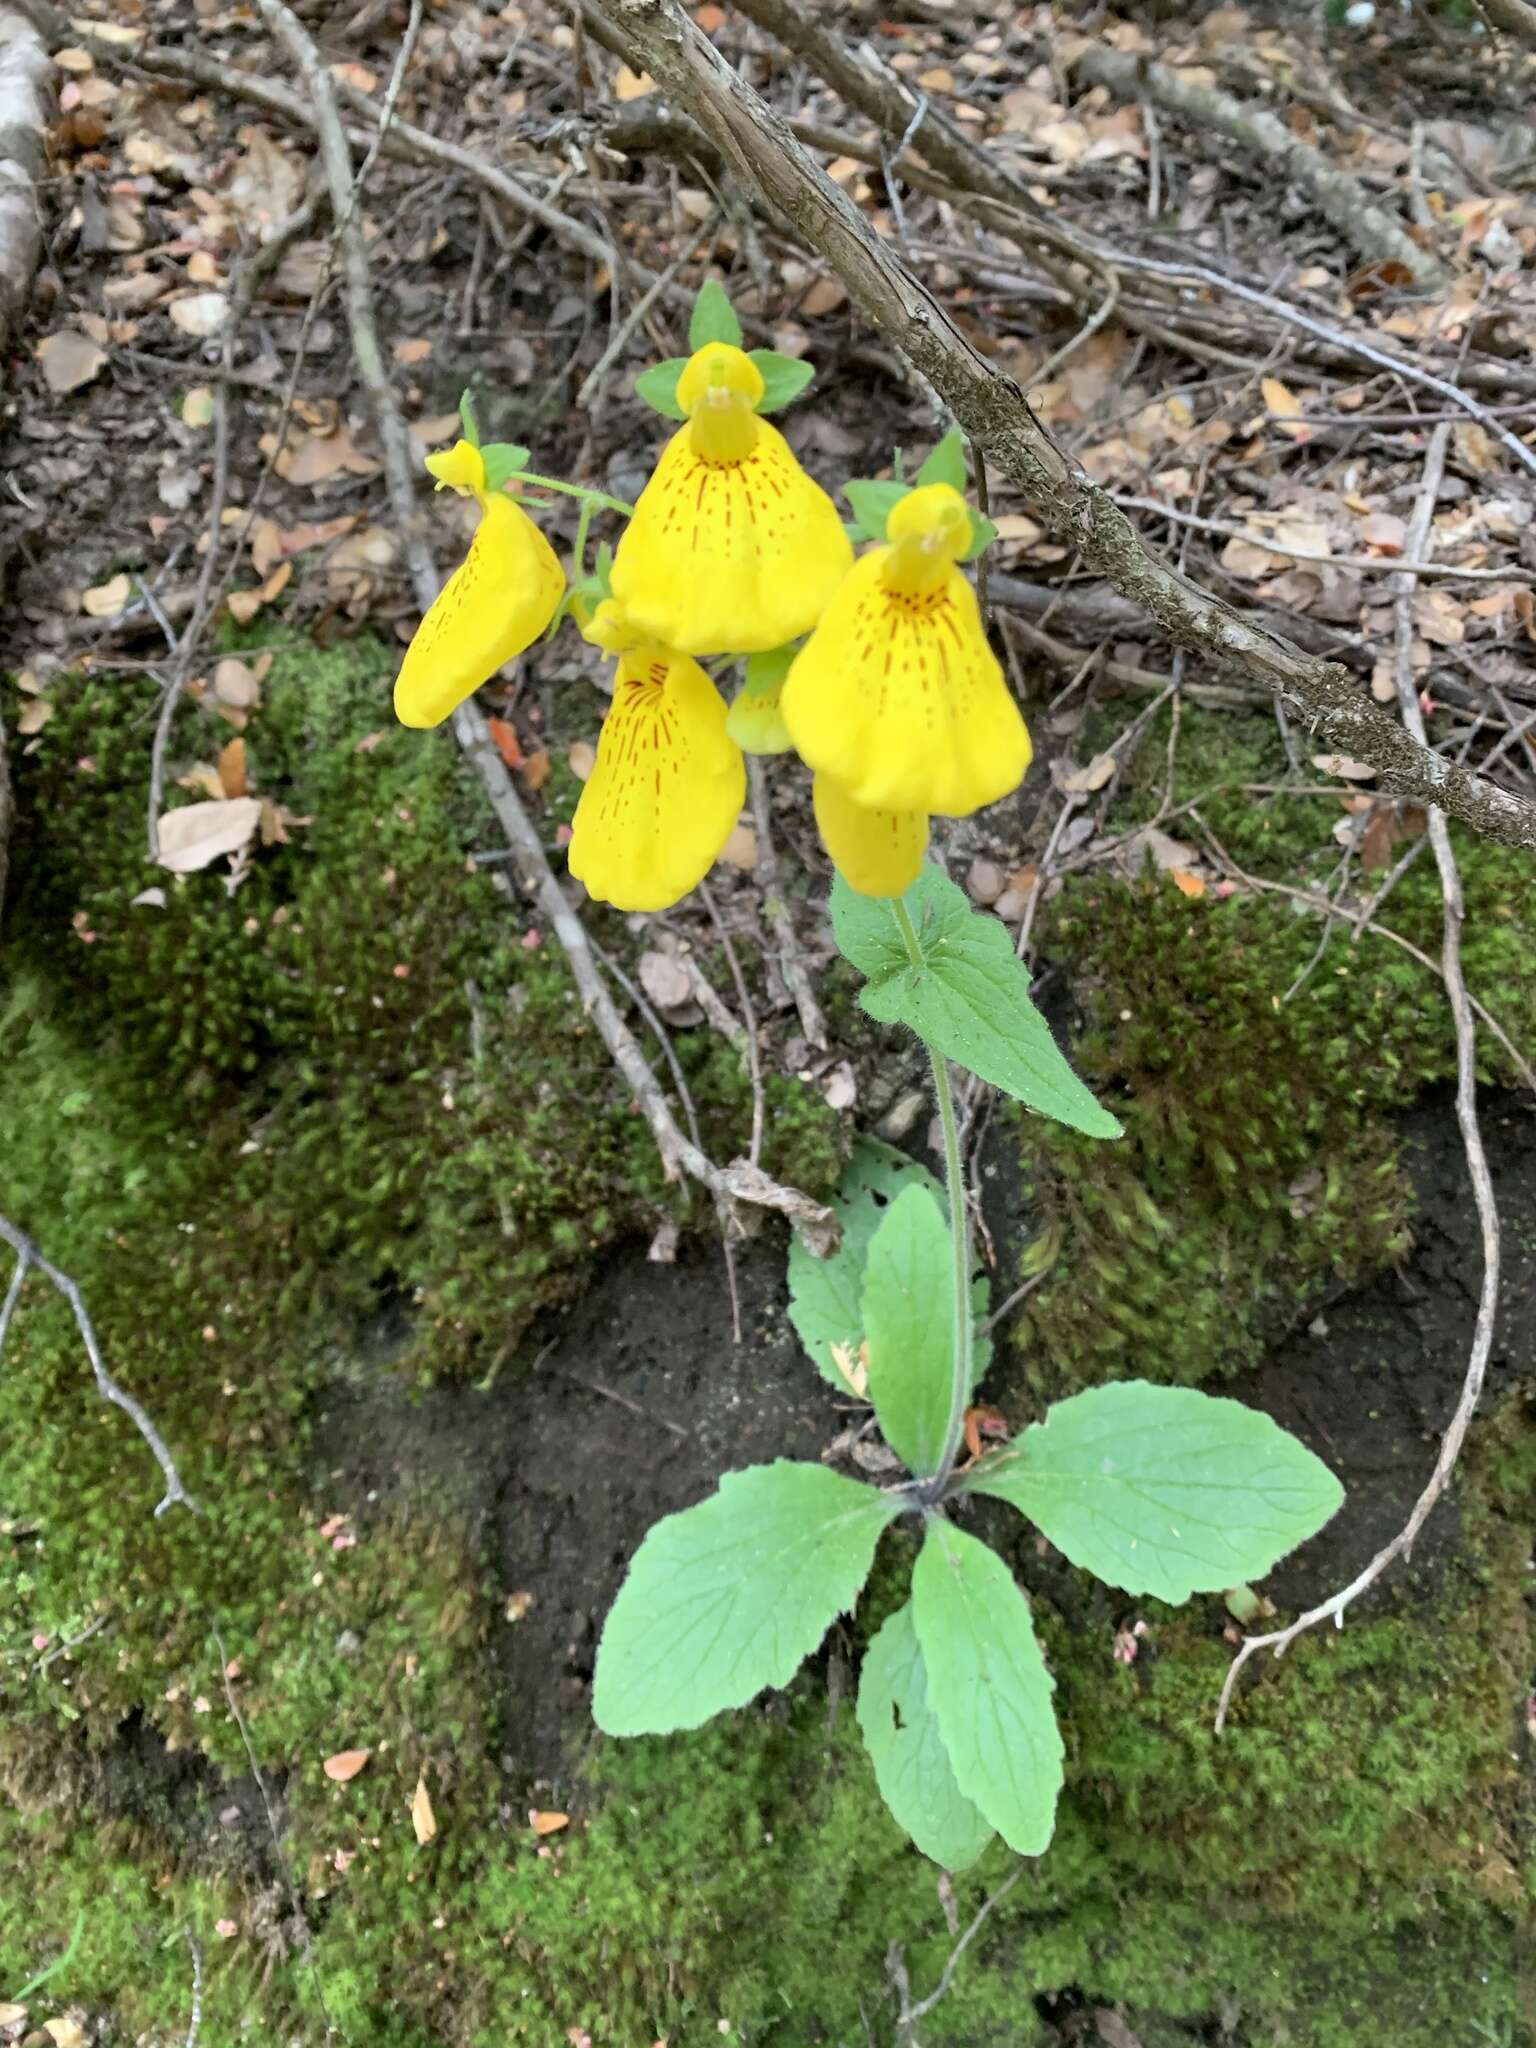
1188	883
65	2032
107	599
243	605
12	2015
195	835
342	1768
582	759
423	1819
200	313
70	359
197	407
1341	764
408	353
507	743
34	716
1282	405
1083	781
537	768
232	777
666	980
236	684
631	85
740	849
547	1823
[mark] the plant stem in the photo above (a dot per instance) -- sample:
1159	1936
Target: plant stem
579	554
959	1234
553	483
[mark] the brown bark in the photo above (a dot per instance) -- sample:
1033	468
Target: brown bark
994	413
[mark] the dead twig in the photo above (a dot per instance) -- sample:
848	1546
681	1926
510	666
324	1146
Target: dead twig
748	1018
1401	1544
909	2014
742	1181
27	1256
791	961
992	410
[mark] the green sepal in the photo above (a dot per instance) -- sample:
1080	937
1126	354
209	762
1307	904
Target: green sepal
658	387
503	460
784	378
945	463
467	419
714	317
754	720
983	533
873	500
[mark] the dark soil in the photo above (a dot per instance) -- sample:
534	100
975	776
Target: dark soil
631	1402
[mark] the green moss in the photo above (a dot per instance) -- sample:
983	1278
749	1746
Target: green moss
392	1061
1256	1082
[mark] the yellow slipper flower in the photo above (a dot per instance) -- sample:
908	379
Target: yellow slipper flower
668	784
896	695
497	602
732	548
879	853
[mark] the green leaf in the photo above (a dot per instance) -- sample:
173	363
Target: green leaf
732	1595
909	1323
946	463
1164	1490
714	317
988	1685
754	720
503	459
468	420
658	387
983	533
784	378
968	998
826	1296
872	501
912	1767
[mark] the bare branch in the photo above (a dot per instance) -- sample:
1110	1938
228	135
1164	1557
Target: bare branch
742	1181
28	1255
993	411
1279	1640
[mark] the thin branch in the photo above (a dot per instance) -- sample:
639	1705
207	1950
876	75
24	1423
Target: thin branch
1401	1544
992	410
27	1254
748	1018
776	909
911	2014
741	1181
195	2028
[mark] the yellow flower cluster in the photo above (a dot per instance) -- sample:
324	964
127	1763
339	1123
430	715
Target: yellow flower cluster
895	701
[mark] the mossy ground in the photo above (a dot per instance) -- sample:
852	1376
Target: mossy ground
230	1119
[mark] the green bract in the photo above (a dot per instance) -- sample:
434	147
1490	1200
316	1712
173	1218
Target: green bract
968	998
714	317
874	498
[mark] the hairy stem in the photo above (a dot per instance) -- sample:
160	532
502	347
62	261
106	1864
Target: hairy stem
591	497
959	1235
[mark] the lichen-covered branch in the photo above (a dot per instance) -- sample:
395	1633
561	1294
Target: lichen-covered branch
994	413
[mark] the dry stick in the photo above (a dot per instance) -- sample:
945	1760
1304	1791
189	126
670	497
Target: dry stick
992	410
1471	1136
592	382
25	77
776	908
1338	196
740	1181
748	1018
28	1255
911	2014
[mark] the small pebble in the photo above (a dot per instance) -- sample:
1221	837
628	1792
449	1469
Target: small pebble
1010	906
901	1116
984	881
